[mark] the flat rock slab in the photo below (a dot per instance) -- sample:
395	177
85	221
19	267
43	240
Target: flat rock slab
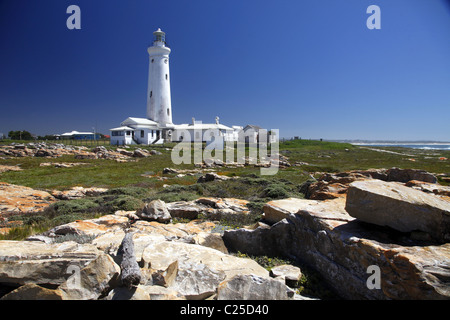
278	210
251	287
35	262
399	207
19	199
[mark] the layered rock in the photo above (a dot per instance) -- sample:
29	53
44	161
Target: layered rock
172	262
156	210
77	192
399	207
250	287
335	185
434	188
19	199
324	236
212	208
80	152
23	262
4	168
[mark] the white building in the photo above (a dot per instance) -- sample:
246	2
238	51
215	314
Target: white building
158	127
137	131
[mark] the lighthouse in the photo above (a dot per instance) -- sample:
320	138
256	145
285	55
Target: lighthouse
157	127
159	107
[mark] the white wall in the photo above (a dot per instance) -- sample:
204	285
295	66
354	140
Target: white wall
159	106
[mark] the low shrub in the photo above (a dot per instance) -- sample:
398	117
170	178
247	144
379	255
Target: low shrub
276	191
67	218
72	206
123	202
136	192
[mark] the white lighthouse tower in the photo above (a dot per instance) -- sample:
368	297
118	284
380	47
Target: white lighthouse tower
159	107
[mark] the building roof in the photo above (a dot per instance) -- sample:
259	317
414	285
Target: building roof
202	126
251	126
131	121
67	134
123	128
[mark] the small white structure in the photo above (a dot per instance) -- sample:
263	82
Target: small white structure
76	135
136	131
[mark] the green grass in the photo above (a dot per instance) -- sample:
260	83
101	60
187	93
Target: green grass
321	157
314	145
132	183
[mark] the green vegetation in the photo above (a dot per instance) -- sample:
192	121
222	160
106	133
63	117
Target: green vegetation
66	211
131	184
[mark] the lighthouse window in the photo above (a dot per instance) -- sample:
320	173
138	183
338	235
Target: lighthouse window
153	60
151	93
166	76
168	112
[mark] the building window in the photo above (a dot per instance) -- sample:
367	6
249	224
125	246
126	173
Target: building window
128	133
153	60
142	133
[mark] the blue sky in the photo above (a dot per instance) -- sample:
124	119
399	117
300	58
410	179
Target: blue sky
310	68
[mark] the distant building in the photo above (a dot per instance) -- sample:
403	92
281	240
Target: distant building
75	135
251	134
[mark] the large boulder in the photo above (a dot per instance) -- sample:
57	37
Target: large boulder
343	249
405	175
160	254
33	291
335	185
156	210
93	281
250	287
399	207
212	208
23	262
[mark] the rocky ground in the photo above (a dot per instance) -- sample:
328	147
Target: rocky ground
396	221
82	260
45	150
366	219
